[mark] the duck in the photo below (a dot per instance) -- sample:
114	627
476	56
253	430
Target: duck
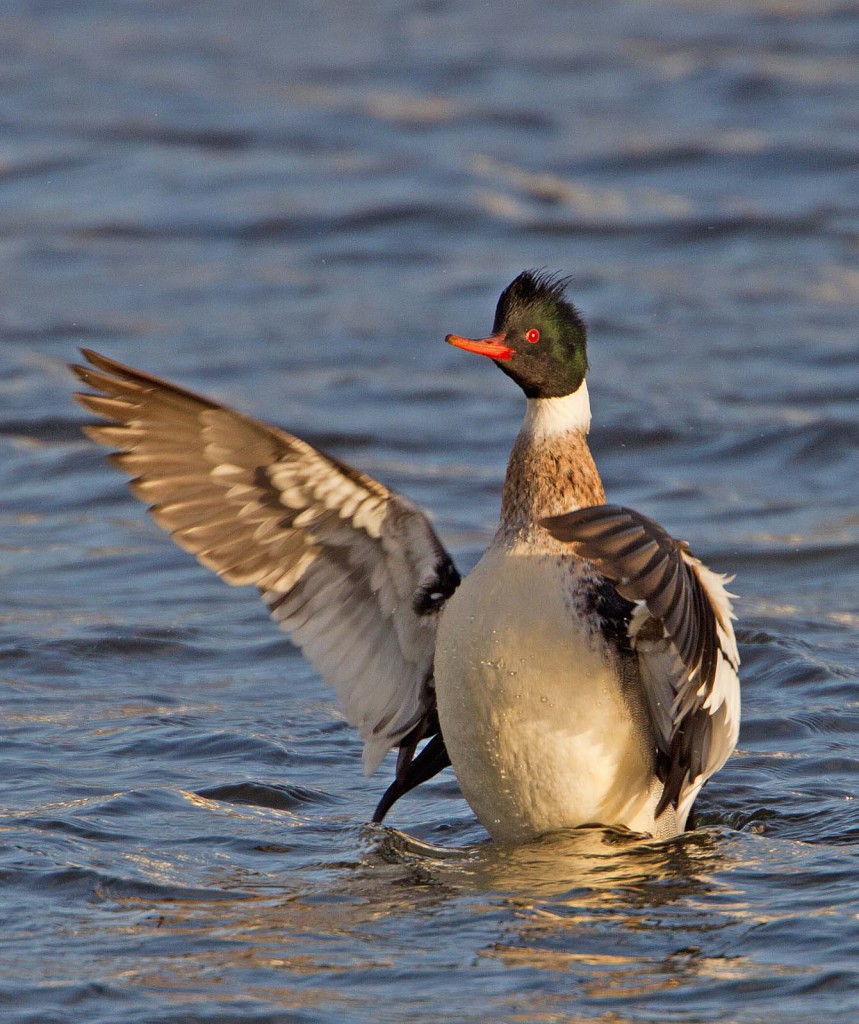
583	673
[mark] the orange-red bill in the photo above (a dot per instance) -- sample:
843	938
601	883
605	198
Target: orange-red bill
493	347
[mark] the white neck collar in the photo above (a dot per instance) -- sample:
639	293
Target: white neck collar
547	417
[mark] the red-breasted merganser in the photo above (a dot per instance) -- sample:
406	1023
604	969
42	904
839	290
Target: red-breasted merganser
584	672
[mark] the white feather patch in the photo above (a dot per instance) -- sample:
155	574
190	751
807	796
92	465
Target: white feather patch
549	417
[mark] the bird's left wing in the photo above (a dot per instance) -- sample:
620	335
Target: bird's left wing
351	570
682	633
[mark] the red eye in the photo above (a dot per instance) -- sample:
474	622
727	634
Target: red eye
533	336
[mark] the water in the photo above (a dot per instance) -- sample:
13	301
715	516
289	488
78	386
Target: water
288	206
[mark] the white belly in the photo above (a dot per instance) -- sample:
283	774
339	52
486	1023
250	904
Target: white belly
531	709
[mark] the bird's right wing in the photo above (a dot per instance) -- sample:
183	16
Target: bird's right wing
351	570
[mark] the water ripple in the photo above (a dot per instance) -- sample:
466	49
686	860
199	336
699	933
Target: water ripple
290	210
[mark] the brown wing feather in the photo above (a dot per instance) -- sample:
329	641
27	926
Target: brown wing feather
353	571
695	647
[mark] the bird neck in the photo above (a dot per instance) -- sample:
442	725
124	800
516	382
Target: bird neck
551	469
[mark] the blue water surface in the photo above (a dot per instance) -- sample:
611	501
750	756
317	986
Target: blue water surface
288	206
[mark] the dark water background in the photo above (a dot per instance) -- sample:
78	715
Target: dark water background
288	205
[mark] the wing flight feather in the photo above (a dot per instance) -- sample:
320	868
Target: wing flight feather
351	570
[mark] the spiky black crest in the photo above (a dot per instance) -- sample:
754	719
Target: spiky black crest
536	289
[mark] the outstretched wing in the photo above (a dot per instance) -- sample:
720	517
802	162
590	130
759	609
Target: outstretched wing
682	633
351	570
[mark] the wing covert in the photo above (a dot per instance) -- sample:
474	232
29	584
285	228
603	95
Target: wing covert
351	570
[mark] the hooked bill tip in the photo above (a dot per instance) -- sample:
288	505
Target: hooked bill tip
493	347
